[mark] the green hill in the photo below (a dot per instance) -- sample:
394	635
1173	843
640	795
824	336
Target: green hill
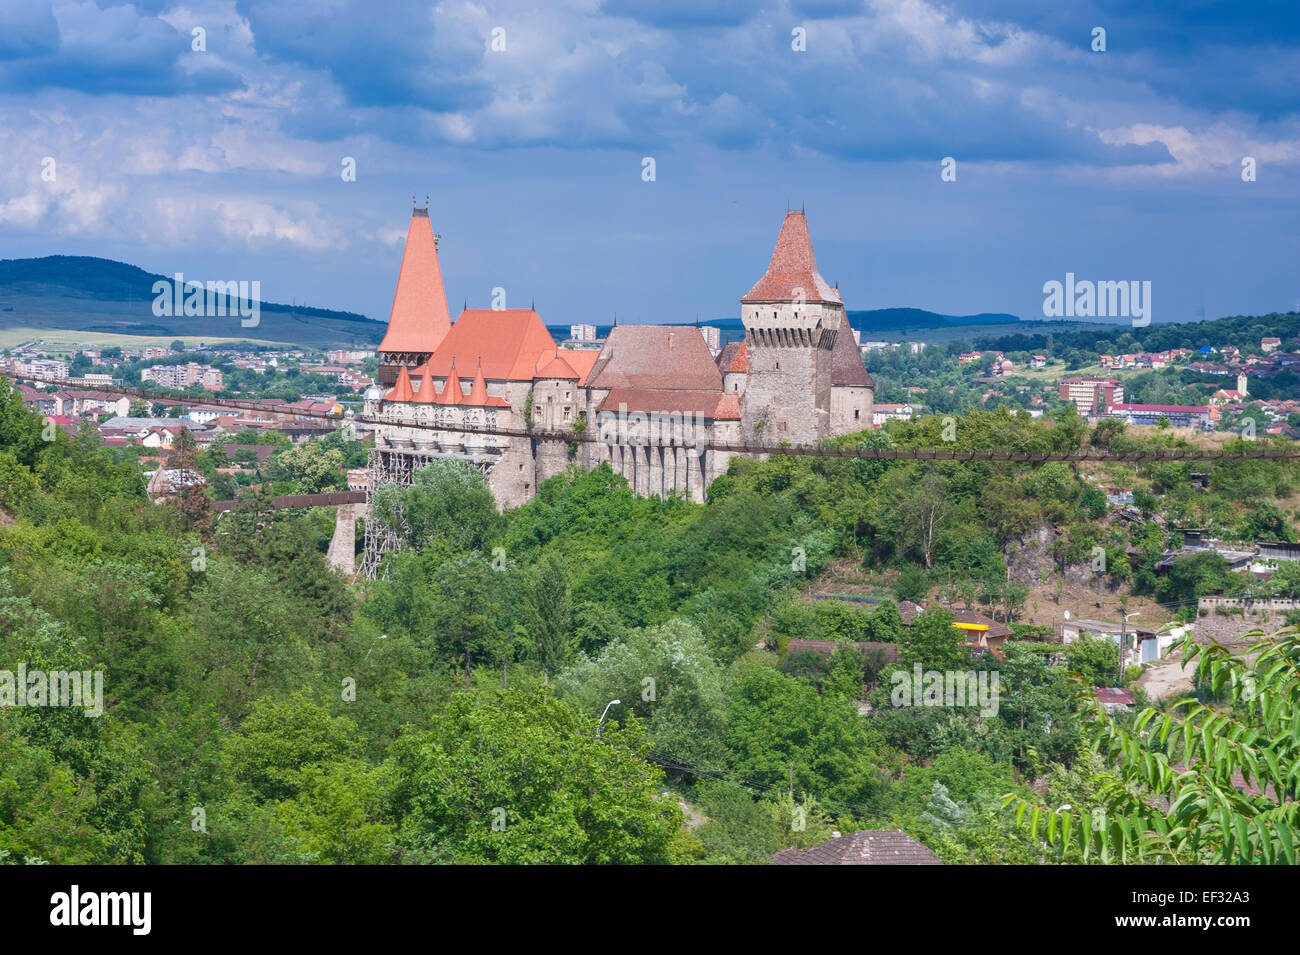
86	294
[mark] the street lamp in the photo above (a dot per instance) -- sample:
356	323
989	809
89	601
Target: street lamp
382	636
606	713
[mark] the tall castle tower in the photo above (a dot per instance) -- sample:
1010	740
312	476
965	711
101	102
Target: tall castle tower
791	318
419	320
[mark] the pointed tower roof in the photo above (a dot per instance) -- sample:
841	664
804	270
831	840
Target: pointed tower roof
451	392
427	394
478	394
419	320
556	367
793	266
402	390
847	368
734	357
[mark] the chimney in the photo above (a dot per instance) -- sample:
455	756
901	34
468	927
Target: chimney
670	340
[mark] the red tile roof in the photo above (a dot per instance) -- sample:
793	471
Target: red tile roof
557	367
451	391
478	396
793	266
871	847
655	357
419	320
402	389
427	394
1115	695
734	358
581	360
846	361
508	342
666	401
1177	409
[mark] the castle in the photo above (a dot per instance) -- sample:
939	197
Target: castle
653	394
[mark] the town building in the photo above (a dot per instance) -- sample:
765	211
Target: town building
1092	396
183	376
1179	416
891	412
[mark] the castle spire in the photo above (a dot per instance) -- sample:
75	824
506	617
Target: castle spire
419	319
478	394
427	394
792	274
451	392
402	390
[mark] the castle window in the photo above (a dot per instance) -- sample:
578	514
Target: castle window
856	412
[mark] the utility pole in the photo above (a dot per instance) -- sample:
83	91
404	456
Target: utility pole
1123	641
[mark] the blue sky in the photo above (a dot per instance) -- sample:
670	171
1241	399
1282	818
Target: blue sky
225	163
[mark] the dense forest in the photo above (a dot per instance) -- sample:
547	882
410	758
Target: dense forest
260	708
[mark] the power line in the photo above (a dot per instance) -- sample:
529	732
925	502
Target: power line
800	450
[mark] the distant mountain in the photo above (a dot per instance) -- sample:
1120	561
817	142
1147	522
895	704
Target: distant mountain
884	321
82	293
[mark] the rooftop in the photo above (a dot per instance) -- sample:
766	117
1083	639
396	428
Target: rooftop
792	274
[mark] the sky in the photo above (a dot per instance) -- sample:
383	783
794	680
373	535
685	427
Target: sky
220	153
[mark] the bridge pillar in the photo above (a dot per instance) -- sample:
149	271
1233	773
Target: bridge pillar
342	554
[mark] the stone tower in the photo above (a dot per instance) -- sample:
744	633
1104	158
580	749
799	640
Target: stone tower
791	318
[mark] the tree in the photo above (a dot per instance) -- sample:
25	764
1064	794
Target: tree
195	508
847	671
1094	659
913	584
933	642
666	677
1211	786
314	467
781	728
518	778
464	611
916	509
546	610
281	739
886	624
447	505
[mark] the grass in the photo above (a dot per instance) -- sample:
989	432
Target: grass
52	339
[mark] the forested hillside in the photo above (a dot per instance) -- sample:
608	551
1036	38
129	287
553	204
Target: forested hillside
260	708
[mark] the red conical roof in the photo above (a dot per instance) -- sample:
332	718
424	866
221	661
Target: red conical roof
478	394
793	267
427	394
402	390
451	392
556	367
419	320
